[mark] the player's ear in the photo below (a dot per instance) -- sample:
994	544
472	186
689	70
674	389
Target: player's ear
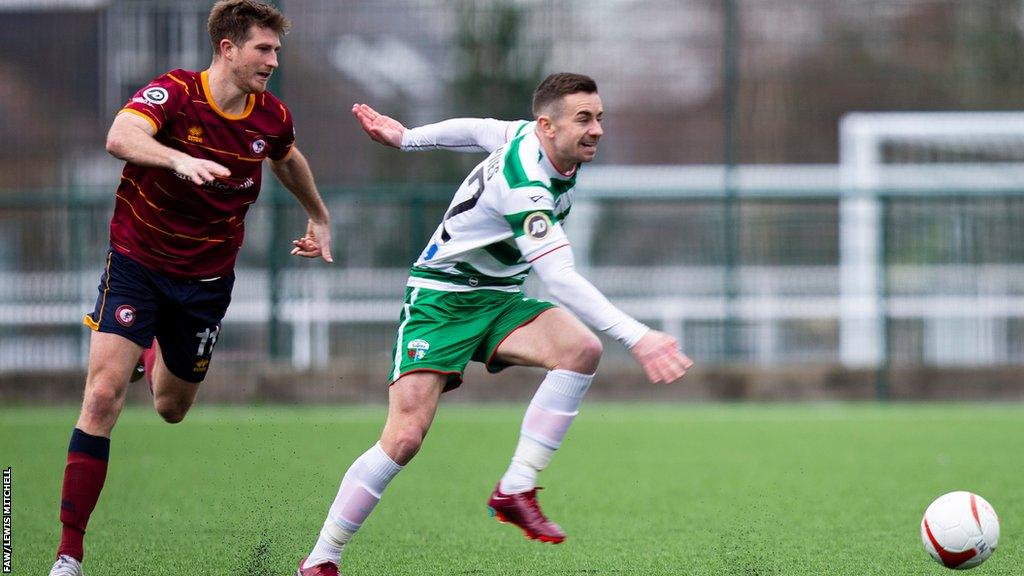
226	48
547	127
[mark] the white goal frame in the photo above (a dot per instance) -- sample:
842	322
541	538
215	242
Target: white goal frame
864	175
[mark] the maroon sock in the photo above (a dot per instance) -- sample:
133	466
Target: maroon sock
83	480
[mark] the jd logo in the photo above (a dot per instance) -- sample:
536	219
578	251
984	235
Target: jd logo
537	225
155	95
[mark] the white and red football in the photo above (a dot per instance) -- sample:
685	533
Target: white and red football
960	530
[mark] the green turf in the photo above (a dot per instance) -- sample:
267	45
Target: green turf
722	490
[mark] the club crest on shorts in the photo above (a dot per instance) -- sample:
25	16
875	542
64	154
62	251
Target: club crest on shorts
125	315
417	349
537	225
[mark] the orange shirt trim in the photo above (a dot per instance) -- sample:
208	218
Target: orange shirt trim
249	105
141	114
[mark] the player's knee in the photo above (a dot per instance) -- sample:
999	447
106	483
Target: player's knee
584	355
103	396
171	411
101	405
406	443
172	415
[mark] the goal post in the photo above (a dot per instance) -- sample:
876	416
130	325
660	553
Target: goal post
909	153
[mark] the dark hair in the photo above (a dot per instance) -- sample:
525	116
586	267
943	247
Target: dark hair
560	84
232	19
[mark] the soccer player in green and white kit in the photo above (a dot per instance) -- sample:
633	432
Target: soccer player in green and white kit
463	302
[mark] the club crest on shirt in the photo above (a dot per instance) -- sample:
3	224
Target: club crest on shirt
258	146
195	134
155	95
417	349
537	225
125	315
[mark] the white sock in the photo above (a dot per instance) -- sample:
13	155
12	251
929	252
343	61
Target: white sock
360	490
551	411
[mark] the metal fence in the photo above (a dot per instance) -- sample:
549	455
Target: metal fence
951	289
719	213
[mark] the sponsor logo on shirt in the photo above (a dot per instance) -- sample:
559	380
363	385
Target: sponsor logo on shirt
417	349
155	95
125	315
537	226
221	184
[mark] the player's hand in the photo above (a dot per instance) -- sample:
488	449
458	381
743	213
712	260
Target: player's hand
659	355
197	170
383	129
316	242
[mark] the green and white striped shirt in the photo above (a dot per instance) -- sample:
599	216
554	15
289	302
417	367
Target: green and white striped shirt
507	213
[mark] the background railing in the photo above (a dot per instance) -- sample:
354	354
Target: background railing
731	203
951	291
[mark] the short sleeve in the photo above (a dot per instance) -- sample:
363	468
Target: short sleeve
281	145
159	101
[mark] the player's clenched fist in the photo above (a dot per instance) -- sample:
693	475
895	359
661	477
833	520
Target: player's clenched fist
659	355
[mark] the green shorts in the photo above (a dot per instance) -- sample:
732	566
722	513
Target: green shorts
442	331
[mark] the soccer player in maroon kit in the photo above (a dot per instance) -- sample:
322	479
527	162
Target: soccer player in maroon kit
194	145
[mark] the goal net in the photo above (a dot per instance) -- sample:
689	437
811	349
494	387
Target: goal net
931	257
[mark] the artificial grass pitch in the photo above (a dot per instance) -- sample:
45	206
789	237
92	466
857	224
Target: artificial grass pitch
746	490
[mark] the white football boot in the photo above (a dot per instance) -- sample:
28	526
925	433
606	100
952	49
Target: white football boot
66	566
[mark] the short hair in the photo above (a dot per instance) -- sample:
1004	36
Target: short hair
560	84
232	19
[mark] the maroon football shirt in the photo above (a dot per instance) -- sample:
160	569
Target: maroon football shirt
162	219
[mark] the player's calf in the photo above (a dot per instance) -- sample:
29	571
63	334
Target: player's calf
172	396
172	407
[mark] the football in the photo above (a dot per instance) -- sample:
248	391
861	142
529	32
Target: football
960	530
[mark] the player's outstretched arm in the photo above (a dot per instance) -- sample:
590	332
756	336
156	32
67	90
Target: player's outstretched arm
656	352
293	171
131	139
457	134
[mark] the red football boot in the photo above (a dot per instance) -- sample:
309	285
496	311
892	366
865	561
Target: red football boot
325	569
523	510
